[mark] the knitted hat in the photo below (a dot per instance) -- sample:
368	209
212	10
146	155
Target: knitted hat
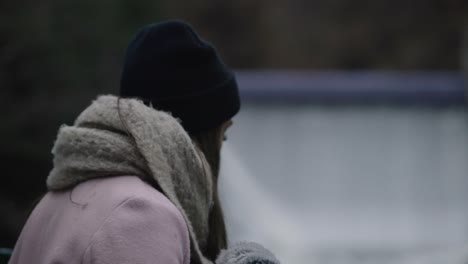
168	65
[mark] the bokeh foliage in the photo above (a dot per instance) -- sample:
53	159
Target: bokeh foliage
56	55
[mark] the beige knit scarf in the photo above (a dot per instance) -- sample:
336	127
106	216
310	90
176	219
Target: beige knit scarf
115	137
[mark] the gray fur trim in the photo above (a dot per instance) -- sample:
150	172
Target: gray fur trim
246	253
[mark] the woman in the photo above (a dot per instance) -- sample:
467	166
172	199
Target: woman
132	184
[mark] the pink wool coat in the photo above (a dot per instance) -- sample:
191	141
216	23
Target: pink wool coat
107	220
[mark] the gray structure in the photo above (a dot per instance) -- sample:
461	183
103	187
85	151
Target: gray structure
377	177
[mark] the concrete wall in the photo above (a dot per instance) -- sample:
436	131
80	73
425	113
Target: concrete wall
348	184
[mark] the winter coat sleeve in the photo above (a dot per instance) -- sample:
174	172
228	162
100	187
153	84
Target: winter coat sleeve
142	232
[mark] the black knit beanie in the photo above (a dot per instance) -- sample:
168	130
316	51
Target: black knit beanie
169	66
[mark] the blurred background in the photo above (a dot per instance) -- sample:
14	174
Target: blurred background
352	144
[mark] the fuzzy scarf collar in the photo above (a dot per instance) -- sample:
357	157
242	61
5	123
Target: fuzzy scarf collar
115	137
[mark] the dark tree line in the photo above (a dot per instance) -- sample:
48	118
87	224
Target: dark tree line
56	55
